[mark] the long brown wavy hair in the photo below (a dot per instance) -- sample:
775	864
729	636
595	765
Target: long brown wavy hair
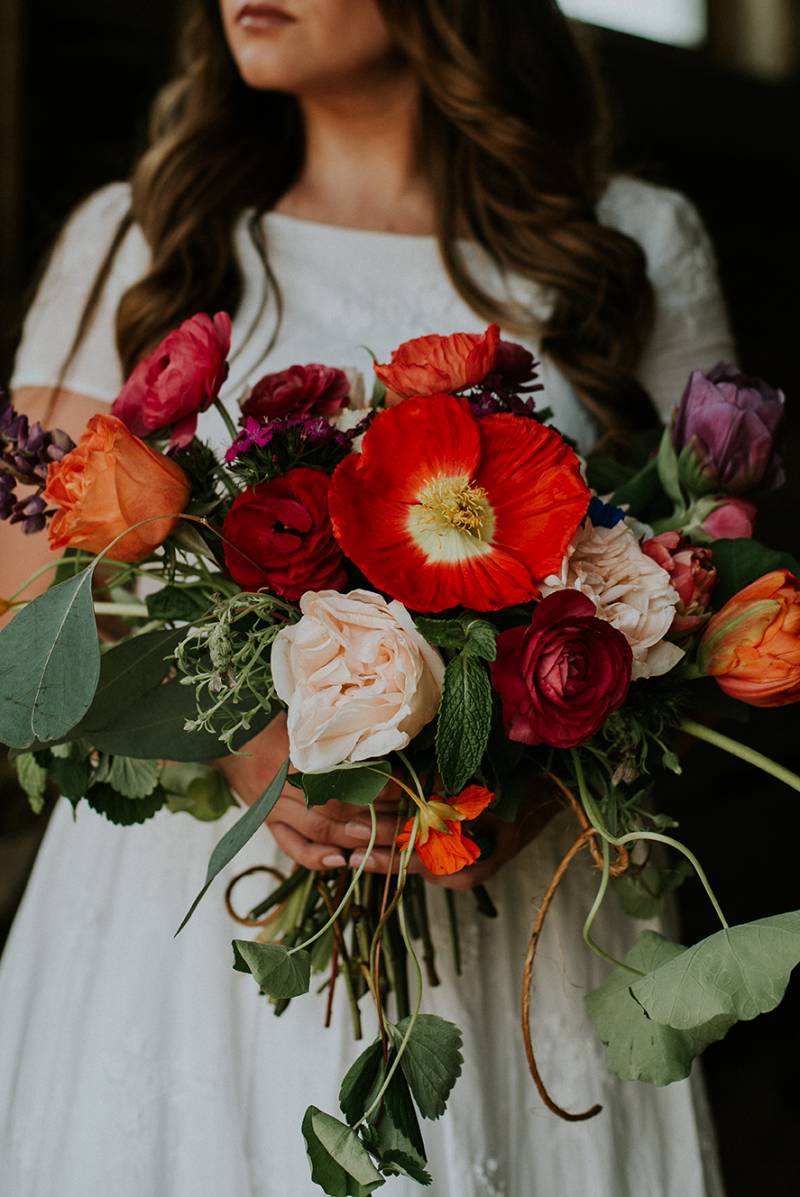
515	141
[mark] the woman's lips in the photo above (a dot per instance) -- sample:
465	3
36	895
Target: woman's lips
262	17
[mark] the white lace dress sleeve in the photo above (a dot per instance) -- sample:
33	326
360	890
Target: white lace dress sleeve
55	313
691	328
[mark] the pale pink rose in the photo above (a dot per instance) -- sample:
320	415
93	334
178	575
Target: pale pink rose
692	574
629	590
732	520
358	679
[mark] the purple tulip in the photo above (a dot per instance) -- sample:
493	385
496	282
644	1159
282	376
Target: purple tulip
725	431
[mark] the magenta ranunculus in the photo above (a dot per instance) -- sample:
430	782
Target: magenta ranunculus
181	377
560	677
283	533
731	520
692	575
311	390
725	431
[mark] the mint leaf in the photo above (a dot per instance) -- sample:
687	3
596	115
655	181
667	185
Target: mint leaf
480	639
465	718
279	974
431	1062
340	1164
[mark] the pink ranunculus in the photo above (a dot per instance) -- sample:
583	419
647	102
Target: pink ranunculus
180	378
311	390
692	575
560	677
357	677
732	520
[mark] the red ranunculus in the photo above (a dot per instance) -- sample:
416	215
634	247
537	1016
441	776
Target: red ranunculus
434	365
283	533
691	574
441	509
562	676
181	377
311	390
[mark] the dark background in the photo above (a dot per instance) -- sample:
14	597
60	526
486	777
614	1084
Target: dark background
720	124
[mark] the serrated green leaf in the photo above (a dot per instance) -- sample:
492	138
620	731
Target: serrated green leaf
32	777
431	1062
736	973
177	603
279	973
739	562
340	1164
237	836
132	778
70	770
465	718
360	1081
444	633
124	811
642	892
393	1134
638	1048
358	784
49	664
480	639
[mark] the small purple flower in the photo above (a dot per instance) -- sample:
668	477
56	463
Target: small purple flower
487	403
254	434
724	432
26	451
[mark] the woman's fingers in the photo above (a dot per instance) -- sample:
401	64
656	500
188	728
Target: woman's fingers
345	826
304	852
381	858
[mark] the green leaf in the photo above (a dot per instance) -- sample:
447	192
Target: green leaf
278	973
642	893
199	790
360	1081
737	973
49	664
124	811
444	633
604	475
237	836
431	1062
340	1164
667	462
153	728
32	777
638	1048
359	784
641	490
394	1135
128	672
468	632
465	718
132	778
741	561
178	603
480	639
70	770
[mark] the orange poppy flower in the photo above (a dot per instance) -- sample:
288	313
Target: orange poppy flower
441	844
435	365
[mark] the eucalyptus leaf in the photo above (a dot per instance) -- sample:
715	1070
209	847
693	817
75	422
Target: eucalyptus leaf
340	1164
237	836
638	1048
739	562
49	664
465	718
431	1062
184	603
357	784
737	973
278	973
128	671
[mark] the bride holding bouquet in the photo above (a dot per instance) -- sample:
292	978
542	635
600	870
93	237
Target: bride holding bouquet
342	174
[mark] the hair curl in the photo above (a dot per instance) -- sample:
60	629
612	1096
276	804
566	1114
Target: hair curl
514	138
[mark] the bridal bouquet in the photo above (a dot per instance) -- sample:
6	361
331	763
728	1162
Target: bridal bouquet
458	616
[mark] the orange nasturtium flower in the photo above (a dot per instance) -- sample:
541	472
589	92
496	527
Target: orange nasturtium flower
436	365
111	481
441	844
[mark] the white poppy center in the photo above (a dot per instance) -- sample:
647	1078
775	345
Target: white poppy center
452	519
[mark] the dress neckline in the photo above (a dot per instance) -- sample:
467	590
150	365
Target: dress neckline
317	228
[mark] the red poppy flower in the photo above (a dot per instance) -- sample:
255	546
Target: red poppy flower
441	844
442	510
433	365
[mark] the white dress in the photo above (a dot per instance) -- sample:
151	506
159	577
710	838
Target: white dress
138	1065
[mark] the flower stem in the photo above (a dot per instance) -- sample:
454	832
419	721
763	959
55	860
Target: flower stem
226	419
701	732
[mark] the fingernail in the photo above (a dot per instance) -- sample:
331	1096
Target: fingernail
356	859
334	861
358	831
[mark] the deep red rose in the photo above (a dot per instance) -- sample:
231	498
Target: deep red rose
284	530
692	575
312	390
560	677
181	377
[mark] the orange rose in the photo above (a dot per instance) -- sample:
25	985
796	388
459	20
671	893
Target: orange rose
752	646
109	482
440	365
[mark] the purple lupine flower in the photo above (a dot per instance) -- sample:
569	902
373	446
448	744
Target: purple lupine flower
725	431
26	451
